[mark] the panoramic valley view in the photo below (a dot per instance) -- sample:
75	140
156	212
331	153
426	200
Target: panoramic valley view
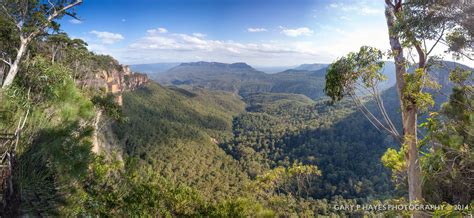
227	108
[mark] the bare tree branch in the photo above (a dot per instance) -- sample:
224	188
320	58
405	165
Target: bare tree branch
389	2
57	13
372	118
384	113
50	18
6	62
437	41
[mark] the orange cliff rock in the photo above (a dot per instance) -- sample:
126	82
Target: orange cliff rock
116	80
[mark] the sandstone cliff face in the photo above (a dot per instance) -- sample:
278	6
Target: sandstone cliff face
135	80
118	79
115	80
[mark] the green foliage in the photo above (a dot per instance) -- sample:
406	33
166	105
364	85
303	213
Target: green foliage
240	207
132	191
460	77
58	158
199	153
413	94
417	23
47	87
277	133
49	84
448	164
51	169
356	71
177	134
295	180
112	190
454	210
33	15
458	40
109	105
395	161
9	37
54	154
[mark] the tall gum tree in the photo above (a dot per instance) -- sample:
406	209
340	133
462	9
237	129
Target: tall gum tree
416	28
30	18
408	111
422	25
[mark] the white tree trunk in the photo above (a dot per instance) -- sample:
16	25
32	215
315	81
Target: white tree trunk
14	67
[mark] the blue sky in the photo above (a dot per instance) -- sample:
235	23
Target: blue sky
259	32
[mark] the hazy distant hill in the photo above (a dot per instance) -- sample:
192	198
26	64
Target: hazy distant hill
311	67
272	70
153	68
242	79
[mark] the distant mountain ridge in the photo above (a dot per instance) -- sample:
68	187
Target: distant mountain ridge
238	65
242	79
311	67
207	67
272	70
153	68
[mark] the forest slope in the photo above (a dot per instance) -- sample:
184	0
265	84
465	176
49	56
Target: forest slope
176	132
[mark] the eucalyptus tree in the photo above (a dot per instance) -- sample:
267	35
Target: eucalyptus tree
57	43
30	19
416	29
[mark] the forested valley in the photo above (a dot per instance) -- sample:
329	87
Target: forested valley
83	135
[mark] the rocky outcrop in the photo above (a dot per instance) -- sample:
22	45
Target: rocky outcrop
122	80
116	79
135	80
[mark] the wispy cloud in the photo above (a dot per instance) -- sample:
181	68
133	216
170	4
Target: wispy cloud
158	30
195	42
75	21
156	47
107	37
256	30
199	35
360	8
302	31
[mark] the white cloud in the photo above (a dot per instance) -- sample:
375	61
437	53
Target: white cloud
359	8
75	21
327	42
370	11
162	30
156	47
107	37
97	48
330	42
302	31
185	42
255	30
157	30
200	35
